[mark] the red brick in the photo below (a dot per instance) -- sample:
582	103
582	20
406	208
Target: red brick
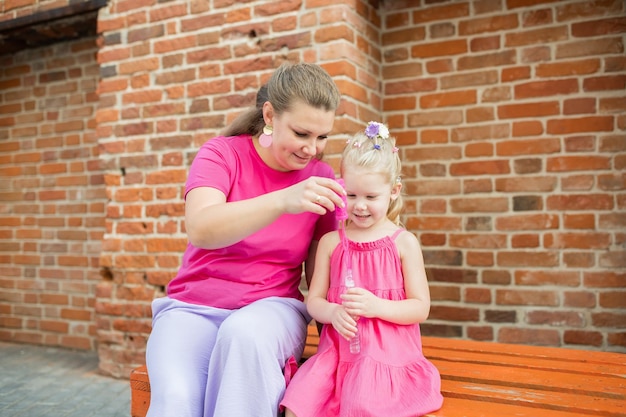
399	103
484	333
494	59
486	205
480	258
612	259
435	118
433	187
527	258
463	134
612	104
526	184
477	295
483	149
498	277
610	221
587	48
576	11
278	7
433	223
557	278
599	27
605	279
612	319
578	260
577	240
568	68
488	24
613	299
486	167
433	239
526	297
537	17
437	49
454	313
617	339
579	299
555	318
577	163
546	88
444	13
581	337
605	83
478	241
580	202
461	80
536	36
515	74
480	114
437	66
527	128
485	44
403	36
525	241
579	221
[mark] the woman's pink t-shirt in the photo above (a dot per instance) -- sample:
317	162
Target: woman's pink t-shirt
266	263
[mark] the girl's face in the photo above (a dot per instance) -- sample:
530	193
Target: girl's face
369	196
300	134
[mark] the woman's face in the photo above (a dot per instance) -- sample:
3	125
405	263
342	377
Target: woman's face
299	135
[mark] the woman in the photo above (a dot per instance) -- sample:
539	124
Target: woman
257	201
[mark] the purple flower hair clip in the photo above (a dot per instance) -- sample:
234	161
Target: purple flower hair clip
375	131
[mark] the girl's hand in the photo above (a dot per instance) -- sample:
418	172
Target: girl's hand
315	194
361	302
343	322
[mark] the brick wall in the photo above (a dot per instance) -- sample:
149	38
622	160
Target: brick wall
12	9
510	118
52	195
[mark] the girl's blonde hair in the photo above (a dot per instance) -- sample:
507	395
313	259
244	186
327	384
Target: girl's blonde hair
308	83
378	154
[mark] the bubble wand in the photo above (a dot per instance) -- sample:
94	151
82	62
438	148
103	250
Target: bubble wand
342	217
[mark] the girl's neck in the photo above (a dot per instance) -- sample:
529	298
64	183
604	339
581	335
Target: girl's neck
372	233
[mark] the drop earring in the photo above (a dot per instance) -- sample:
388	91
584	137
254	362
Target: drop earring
265	139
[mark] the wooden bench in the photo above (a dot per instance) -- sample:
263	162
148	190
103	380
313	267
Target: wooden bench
484	379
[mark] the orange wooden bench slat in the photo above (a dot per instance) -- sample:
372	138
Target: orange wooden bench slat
485	379
516	351
458	407
548	380
533	398
529	362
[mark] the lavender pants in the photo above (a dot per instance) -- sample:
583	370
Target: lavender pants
212	362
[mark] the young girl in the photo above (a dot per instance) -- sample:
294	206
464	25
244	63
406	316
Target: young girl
389	376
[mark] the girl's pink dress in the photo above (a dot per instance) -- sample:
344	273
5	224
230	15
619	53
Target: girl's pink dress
390	376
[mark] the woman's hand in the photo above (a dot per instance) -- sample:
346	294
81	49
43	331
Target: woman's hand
359	302
315	194
343	322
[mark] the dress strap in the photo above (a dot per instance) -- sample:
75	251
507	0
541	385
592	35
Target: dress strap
397	232
342	233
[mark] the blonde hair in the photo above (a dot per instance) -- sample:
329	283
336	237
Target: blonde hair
302	81
380	156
